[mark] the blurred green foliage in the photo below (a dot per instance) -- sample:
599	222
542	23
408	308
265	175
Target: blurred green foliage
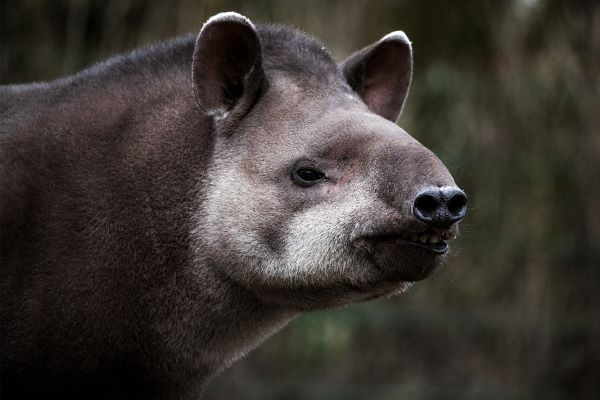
507	93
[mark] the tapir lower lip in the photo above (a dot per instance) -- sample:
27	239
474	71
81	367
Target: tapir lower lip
438	248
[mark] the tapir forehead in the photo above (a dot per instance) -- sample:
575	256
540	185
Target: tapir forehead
306	119
351	122
337	132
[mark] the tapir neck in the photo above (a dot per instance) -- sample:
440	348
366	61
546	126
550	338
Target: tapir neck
217	323
206	321
109	188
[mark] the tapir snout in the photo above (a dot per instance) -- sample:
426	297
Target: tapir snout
422	186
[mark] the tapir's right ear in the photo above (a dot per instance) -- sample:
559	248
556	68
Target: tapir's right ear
381	74
227	66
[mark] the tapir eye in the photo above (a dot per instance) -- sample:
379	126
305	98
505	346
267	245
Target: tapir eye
307	176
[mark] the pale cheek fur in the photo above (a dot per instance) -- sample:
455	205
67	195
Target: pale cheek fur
317	249
315	242
232	213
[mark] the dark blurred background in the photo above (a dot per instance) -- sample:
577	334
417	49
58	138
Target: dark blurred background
507	93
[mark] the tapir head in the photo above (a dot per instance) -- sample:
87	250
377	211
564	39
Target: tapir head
314	196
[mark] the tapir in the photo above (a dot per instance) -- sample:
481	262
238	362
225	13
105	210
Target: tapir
166	211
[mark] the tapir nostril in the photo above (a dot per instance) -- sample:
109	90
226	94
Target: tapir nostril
440	207
457	204
426	205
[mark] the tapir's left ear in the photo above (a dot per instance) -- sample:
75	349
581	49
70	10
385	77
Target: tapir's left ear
381	74
227	68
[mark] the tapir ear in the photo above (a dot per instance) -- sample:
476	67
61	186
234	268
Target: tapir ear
227	65
381	74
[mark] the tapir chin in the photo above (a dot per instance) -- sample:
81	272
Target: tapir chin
164	212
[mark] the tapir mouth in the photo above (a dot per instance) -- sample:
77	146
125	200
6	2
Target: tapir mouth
431	240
